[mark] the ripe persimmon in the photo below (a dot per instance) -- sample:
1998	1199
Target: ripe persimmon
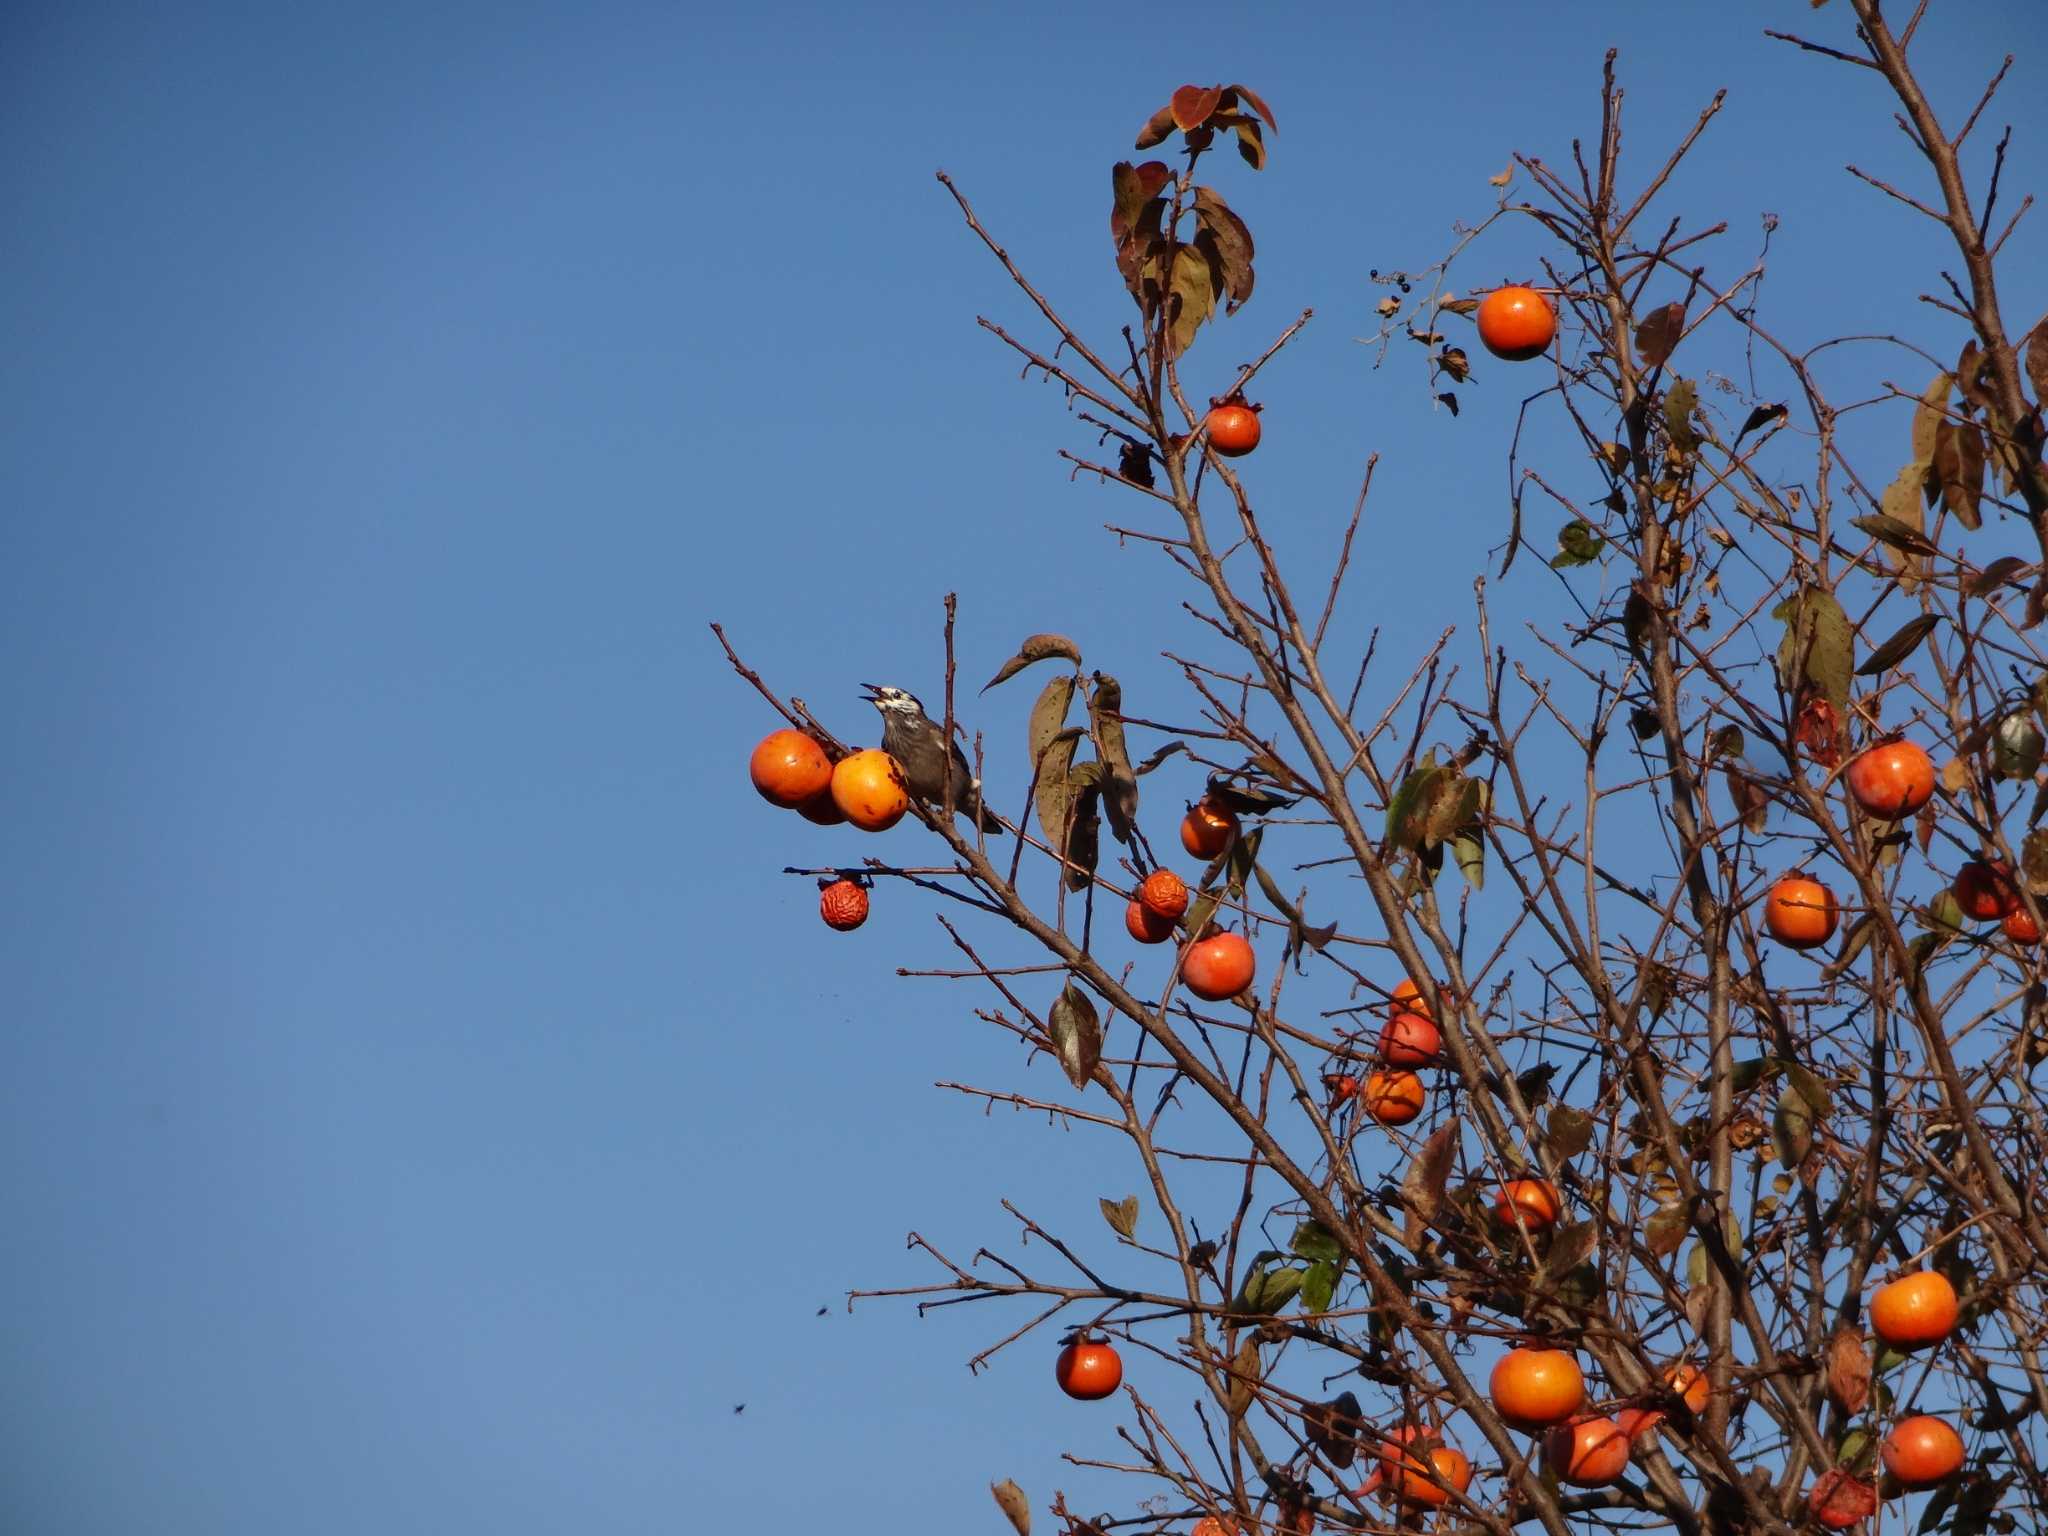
1089	1369
822	808
1145	925
1922	1451
1985	891
1915	1310
1536	1201
1410	1040
1164	894
1800	912
1588	1453
1516	323
1535	1388
1234	428
1683	1378
1394	1098
1891	780
1402	1463
844	905
1408	998
1207	829
1219	967
2020	927
788	768
1340	1086
868	786
1209	1525
1636	1423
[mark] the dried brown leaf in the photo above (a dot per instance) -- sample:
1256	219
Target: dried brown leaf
1014	1505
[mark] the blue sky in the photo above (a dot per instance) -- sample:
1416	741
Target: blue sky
423	1104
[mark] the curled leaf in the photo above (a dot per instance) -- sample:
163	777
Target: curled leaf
1422	1186
1192	105
1657	337
1122	1215
1076	1032
1848	1376
1902	644
1035	648
1119	783
1014	1505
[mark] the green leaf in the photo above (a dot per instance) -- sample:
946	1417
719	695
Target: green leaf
1468	842
1122	1215
1791	1129
1578	543
1902	644
2016	746
1696	1267
1319	1286
1946	913
1747	1074
1266	1291
1818	647
1313	1240
1076	1033
1809	1088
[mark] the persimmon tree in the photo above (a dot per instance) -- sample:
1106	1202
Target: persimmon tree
1678	1116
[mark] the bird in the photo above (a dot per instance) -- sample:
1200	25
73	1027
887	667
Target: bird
919	746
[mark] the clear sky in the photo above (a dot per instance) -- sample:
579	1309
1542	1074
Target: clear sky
423	1104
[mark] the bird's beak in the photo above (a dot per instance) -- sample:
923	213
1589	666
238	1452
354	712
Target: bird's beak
874	691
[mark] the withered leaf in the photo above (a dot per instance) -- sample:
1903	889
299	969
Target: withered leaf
1244	1376
1848	1377
1570	1247
2037	362
1657	337
1896	532
1994	575
1035	648
1569	1133
1333	1427
1076	1034
1122	1215
1252	99
1251	144
1233	242
1752	801
1454	362
1959	470
1192	105
1928	416
1119	783
1248	799
1818	647
1158	128
1902	644
1084	841
1761	416
1680	401
1194	285
1665	1233
1422	1186
1159	756
1014	1505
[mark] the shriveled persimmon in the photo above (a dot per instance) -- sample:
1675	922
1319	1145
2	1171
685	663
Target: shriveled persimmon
789	768
1915	1310
1839	1499
1516	323
843	904
1535	1388
1587	1453
1800	912
868	786
1922	1451
1219	967
1393	1098
1234	428
1891	780
1207	829
1985	891
1410	1040
1145	925
2020	927
1164	894
1535	1201
1089	1369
